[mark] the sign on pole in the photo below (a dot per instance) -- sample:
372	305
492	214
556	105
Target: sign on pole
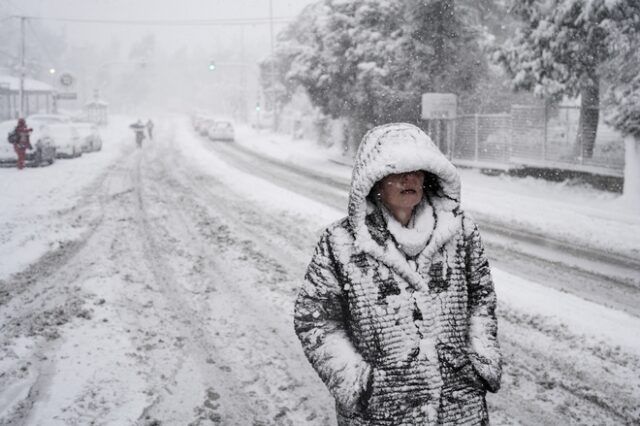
67	80
66	95
437	106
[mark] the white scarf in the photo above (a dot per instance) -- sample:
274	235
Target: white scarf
413	238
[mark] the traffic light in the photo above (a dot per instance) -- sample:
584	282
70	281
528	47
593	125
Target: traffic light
258	106
212	66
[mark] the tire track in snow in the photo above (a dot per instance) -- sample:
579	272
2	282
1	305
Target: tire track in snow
254	398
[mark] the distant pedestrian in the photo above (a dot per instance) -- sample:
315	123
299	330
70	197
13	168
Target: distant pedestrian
397	313
21	140
138	128
150	129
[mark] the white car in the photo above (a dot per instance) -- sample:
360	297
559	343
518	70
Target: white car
221	131
62	132
88	132
42	154
65	137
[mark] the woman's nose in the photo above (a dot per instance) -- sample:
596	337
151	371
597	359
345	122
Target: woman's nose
410	175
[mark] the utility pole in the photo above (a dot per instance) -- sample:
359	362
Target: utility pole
22	62
272	70
243	76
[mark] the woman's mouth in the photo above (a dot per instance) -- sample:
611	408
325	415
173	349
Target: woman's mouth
408	191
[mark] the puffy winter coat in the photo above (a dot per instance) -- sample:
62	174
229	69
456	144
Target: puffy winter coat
397	341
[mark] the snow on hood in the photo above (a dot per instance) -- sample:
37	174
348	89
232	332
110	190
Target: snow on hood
398	148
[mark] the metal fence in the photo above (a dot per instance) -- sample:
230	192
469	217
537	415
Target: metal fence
527	136
530	136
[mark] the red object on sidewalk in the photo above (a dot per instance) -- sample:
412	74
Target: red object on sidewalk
23	143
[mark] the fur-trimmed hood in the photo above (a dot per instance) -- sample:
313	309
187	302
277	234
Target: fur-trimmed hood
398	148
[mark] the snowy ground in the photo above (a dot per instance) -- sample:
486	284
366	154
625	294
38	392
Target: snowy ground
156	286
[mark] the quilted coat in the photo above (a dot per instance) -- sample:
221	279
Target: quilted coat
397	340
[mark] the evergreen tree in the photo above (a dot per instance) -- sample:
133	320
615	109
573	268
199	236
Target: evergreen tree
370	60
562	49
623	99
622	72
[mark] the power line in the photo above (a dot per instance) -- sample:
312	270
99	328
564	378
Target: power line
193	23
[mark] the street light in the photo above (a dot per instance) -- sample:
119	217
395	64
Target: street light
52	70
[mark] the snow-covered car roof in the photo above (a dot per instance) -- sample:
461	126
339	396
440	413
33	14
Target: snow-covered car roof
6	149
49	118
7	126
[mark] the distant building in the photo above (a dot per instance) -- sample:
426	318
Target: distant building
39	97
97	111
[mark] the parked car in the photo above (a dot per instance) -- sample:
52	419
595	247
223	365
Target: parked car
42	154
62	132
66	139
221	131
88	132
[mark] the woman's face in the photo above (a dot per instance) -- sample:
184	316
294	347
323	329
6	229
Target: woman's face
402	191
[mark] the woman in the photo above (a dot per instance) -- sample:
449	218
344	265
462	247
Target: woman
22	141
397	311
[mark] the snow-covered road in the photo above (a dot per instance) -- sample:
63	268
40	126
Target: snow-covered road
159	289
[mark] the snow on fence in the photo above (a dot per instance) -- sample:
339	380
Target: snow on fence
481	138
531	136
528	136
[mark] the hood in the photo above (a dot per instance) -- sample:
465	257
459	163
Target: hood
398	148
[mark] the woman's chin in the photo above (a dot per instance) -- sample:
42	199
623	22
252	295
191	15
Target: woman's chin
410	200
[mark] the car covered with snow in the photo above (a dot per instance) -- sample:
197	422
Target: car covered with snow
221	130
62	132
91	141
42	154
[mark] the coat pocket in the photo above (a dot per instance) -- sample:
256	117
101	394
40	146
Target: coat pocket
459	371
395	392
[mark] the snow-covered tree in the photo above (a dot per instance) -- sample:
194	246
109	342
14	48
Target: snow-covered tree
370	60
562	49
623	100
491	18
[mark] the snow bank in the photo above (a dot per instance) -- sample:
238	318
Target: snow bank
581	317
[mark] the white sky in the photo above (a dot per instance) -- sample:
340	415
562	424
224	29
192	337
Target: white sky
169	36
250	41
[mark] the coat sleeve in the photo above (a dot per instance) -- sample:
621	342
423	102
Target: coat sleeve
320	321
484	349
